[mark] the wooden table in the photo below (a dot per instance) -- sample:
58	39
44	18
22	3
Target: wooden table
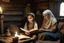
21	40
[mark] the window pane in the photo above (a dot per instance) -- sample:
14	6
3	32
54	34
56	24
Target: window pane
62	9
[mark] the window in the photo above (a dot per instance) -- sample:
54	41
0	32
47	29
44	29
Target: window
62	9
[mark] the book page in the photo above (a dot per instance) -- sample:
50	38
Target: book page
33	30
24	30
23	36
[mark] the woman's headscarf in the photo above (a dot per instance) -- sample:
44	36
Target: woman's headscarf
51	21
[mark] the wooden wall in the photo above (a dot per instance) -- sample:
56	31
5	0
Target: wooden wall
53	5
41	5
14	10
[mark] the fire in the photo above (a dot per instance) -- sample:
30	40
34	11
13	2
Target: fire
16	34
0	9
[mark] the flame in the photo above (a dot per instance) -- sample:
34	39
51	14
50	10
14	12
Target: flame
0	9
16	34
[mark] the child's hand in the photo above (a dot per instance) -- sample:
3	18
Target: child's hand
27	33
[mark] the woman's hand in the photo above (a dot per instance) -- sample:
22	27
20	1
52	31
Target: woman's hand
41	29
34	36
27	33
44	29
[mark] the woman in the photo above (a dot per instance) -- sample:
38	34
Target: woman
30	25
49	26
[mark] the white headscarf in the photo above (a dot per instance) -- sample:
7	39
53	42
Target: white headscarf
52	20
32	14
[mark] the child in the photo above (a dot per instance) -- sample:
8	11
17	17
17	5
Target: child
30	25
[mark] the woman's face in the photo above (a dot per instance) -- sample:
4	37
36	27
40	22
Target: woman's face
30	19
45	16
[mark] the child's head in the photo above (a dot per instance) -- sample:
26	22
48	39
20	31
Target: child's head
30	17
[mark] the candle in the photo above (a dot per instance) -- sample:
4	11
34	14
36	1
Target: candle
1	10
16	34
15	40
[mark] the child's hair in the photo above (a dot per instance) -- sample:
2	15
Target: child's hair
32	15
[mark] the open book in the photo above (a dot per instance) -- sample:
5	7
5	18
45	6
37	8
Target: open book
23	37
24	30
31	31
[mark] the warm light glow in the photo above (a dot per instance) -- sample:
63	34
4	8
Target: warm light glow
62	9
16	34
23	36
0	9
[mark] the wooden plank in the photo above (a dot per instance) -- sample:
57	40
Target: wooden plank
40	0
43	3
55	0
12	9
42	7
45	0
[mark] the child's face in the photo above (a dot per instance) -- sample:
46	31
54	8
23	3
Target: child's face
30	19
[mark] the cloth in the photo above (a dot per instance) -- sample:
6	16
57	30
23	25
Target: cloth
49	36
